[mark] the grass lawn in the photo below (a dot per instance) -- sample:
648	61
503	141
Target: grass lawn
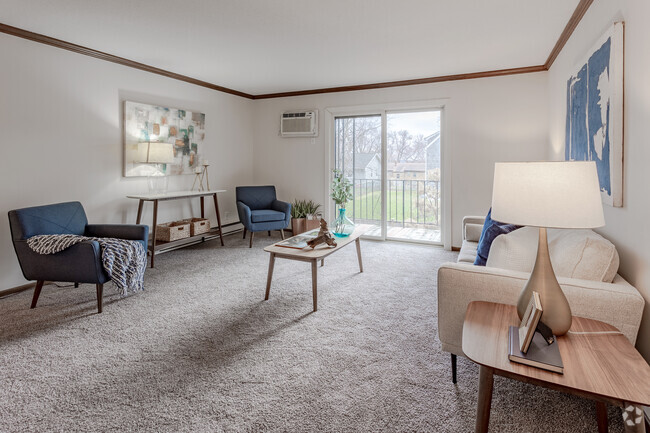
406	206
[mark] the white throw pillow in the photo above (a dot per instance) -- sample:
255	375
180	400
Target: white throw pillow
581	254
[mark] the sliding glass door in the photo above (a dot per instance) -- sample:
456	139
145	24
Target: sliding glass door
413	176
393	160
358	155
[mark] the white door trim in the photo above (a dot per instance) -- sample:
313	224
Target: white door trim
381	109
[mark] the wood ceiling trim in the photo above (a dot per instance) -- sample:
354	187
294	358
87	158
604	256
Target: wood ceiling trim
455	77
47	40
575	19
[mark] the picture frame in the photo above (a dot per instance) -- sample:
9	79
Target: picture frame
529	322
161	141
594	113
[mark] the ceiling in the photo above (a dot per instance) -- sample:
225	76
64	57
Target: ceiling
268	46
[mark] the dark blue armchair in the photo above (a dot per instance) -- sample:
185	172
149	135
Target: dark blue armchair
260	211
82	262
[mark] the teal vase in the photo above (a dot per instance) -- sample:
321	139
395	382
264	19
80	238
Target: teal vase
343	226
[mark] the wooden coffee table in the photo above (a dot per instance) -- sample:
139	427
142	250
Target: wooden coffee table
602	367
313	256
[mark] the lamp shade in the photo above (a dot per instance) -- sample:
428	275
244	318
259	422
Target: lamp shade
562	194
156	153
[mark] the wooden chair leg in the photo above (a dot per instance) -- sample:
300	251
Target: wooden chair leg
251	242
269	232
37	292
244	233
100	295
76	285
453	368
282	233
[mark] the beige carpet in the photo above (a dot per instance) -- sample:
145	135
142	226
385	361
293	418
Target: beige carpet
201	351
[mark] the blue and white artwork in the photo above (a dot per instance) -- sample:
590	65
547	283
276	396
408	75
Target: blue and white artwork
594	116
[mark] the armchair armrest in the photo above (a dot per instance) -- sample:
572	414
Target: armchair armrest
133	232
81	263
244	214
282	206
617	303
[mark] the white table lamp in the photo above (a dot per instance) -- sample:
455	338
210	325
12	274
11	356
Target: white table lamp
157	153
547	195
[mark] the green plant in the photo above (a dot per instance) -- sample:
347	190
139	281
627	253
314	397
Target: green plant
298	208
311	208
341	189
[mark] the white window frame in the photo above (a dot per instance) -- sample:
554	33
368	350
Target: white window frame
382	110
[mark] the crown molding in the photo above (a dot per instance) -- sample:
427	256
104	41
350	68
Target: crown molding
440	79
575	19
58	43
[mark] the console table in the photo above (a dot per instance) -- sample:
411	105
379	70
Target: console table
160	247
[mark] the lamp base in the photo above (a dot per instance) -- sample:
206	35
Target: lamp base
556	312
158	184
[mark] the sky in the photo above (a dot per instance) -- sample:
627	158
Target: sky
423	122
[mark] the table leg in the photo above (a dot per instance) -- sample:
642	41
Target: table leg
155	223
358	242
601	416
269	276
202	207
633	419
314	282
139	217
485	383
216	208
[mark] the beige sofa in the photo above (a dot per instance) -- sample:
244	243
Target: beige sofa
585	264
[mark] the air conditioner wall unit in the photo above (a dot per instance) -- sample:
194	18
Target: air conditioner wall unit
299	124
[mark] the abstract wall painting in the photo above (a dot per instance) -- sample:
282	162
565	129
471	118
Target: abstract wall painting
161	140
594	117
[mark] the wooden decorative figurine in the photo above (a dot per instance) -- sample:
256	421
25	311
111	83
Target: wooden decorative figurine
324	236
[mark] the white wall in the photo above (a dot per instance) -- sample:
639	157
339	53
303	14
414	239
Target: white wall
488	120
61	127
627	227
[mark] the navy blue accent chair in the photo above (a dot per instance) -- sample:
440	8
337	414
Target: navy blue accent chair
81	263
259	210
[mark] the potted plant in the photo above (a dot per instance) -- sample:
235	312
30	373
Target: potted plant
304	216
311	215
298	216
341	194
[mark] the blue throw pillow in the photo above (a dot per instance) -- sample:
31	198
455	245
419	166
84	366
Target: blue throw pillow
491	229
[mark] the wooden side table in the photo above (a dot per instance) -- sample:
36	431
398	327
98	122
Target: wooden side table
599	363
156	247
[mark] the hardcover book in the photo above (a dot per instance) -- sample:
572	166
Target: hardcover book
540	354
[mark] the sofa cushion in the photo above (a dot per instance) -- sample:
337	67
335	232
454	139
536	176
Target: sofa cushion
265	215
491	229
473	232
467	252
581	254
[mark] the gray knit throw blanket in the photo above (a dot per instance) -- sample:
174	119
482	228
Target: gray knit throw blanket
124	261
